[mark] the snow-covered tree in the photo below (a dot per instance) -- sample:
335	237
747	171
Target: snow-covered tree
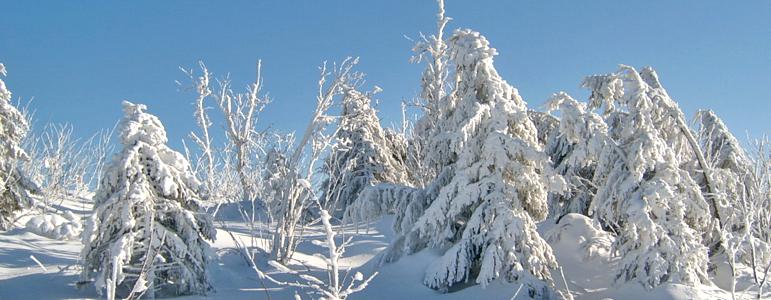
546	124
485	211
16	189
575	148
756	207
291	171
362	155
654	206
729	164
433	93
148	232
427	164
720	146
230	171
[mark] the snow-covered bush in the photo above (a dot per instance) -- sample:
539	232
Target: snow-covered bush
65	166
335	288
16	189
581	234
362	155
147	234
656	209
330	286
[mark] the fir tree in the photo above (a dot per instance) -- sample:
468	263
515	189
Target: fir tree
654	206
485	210
16	189
575	147
148	231
363	155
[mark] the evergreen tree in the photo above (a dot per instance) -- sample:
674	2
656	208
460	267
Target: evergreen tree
485	211
363	155
731	168
148	231
575	147
654	206
720	146
16	189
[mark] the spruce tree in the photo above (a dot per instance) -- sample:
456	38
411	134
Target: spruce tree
16	190
362	156
655	208
575	147
484	215
148	233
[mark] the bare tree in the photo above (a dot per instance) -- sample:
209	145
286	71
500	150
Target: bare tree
240	112
291	190
757	206
64	166
205	163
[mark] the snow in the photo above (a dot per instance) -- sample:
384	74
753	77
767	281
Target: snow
54	226
587	271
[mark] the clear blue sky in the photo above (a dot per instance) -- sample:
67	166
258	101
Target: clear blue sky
79	59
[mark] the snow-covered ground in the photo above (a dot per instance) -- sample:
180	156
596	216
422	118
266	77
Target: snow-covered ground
582	251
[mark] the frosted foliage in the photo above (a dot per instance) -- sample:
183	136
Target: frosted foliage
575	148
659	111
363	155
398	149
730	164
655	207
425	163
485	210
16	189
147	234
721	147
545	124
381	199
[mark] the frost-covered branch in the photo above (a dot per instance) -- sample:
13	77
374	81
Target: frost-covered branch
291	172
330	286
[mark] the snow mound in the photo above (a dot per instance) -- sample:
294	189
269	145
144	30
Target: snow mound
60	227
579	235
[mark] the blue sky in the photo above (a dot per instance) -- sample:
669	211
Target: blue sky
79	59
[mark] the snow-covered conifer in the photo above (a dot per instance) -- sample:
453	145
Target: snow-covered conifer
16	189
720	146
148	232
575	147
730	166
433	95
654	206
486	211
428	164
362	155
546	125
